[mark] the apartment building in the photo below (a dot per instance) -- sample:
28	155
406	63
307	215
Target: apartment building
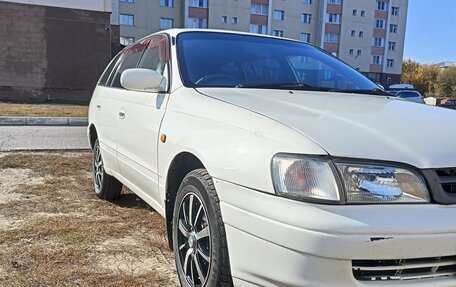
367	34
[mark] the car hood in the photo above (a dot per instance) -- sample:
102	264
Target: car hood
357	126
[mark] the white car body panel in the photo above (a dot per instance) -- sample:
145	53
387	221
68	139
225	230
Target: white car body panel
357	126
234	132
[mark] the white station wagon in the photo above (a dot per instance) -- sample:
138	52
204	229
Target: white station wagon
275	164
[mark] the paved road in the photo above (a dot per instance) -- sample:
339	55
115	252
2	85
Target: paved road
42	138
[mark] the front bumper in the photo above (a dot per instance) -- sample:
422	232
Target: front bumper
275	241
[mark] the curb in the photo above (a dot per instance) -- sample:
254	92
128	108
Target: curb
43	121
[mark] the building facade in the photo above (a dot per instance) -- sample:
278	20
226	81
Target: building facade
367	34
55	49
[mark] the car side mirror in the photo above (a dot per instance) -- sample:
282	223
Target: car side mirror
143	80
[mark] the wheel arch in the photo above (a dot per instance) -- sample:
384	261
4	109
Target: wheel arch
180	166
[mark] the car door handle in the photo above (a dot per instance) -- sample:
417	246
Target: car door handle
122	114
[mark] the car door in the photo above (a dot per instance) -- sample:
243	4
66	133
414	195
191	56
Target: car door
139	128
105	103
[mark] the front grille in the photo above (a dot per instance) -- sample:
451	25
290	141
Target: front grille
443	184
404	269
447	177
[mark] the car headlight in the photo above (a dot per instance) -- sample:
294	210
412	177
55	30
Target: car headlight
317	179
378	183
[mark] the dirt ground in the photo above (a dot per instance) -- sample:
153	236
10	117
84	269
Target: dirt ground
54	231
44	110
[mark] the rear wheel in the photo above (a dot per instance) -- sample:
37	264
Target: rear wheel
106	186
199	239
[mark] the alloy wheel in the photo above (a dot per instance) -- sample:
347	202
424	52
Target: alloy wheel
194	240
98	168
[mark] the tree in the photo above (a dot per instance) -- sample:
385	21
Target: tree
422	77
446	82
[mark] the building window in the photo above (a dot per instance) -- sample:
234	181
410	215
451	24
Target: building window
377	60
197	23
361	34
358	53
260	9
307	1
234	20
224	19
393	28
392	46
127	1
381	5
353	33
355	12
125	41
332	37
166	23
258	29
198	3
126	19
376	77
278	33
306	18
363	13
380	23
305	37
279	15
167	3
395	11
377	42
351	51
332	18
390	63
335	2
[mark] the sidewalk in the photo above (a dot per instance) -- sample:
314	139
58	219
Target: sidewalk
43	121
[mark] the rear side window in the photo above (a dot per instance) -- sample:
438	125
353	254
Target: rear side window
130	60
104	77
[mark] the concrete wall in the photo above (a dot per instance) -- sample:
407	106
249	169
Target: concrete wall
51	53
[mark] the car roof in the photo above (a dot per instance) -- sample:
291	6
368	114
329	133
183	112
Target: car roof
176	31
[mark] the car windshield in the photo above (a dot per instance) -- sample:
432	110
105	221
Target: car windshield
209	59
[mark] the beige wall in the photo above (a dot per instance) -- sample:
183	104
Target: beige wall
147	17
239	9
292	25
94	5
400	21
358	24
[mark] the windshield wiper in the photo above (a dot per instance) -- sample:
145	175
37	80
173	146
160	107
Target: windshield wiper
375	92
284	86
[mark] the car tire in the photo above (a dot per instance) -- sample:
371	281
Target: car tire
199	239
106	186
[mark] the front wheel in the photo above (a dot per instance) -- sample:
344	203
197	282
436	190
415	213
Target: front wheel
199	239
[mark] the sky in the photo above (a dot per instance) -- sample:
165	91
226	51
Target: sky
431	31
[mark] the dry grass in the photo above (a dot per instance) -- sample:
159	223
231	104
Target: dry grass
55	232
7	109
